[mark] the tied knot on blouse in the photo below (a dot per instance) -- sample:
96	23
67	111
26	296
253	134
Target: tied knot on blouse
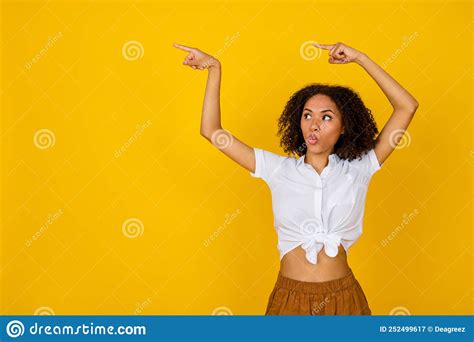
314	238
313	244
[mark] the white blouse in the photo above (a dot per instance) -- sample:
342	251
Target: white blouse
316	210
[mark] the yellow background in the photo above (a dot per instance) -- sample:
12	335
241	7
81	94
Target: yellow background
182	189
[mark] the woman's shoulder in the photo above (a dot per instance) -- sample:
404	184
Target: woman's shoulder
366	163
268	163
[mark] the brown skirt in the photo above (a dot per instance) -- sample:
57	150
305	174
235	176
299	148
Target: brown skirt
343	296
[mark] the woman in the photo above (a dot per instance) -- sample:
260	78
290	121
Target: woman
318	199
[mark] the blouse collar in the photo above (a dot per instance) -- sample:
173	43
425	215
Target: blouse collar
332	160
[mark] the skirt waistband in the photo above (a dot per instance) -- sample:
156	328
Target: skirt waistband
316	287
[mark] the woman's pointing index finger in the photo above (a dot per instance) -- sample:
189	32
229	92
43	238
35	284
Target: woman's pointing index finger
182	47
324	46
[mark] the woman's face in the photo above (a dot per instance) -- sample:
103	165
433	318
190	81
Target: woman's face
321	124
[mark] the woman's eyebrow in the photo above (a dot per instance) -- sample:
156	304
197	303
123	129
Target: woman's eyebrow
324	110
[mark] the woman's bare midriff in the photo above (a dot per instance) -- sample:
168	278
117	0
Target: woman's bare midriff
295	265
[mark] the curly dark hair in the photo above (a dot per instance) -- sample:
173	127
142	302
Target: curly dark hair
360	128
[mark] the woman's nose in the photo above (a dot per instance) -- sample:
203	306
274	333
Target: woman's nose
315	126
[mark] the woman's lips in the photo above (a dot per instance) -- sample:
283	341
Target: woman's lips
312	140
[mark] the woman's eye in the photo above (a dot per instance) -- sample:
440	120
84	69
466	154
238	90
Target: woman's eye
306	116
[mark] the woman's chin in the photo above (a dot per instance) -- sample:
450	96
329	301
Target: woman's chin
313	149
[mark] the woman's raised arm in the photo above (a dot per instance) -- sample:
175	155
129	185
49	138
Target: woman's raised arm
211	127
403	103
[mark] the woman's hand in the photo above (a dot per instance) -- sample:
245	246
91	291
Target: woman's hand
340	53
197	59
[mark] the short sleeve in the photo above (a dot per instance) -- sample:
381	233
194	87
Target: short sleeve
368	163
371	162
267	164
